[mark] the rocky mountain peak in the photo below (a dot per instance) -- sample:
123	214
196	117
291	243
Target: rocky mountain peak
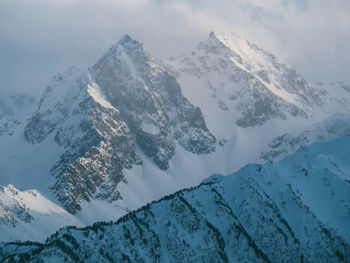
147	96
98	117
125	39
131	45
245	79
127	54
212	45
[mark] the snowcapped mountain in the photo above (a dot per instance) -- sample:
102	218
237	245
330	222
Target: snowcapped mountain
295	210
249	97
27	215
99	117
151	102
241	76
131	129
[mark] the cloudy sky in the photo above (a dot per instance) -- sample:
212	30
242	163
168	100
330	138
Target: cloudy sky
39	38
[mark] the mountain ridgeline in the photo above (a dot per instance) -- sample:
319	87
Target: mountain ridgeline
262	213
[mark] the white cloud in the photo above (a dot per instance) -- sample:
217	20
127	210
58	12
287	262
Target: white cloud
40	38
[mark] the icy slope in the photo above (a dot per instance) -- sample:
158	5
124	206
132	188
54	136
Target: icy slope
28	215
296	210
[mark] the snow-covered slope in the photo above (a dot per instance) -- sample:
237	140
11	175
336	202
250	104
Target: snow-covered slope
296	210
336	94
335	126
27	215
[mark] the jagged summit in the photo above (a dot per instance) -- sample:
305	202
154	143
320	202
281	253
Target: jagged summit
125	102
222	41
126	50
244	79
223	37
146	94
125	39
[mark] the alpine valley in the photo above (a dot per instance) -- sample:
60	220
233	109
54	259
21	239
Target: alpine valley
104	144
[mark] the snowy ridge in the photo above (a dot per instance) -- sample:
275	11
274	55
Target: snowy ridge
336	96
28	215
262	213
335	126
279	78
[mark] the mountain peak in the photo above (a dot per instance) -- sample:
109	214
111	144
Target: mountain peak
233	41
127	51
129	44
212	34
218	42
125	39
224	37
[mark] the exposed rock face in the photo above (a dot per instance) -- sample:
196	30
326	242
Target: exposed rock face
262	213
246	80
150	101
99	117
97	144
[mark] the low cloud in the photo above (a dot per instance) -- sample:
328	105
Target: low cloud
41	38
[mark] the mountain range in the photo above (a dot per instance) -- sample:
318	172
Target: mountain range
132	129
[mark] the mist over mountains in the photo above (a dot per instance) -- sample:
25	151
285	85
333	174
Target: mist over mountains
37	40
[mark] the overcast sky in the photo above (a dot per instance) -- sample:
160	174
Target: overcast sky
39	38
